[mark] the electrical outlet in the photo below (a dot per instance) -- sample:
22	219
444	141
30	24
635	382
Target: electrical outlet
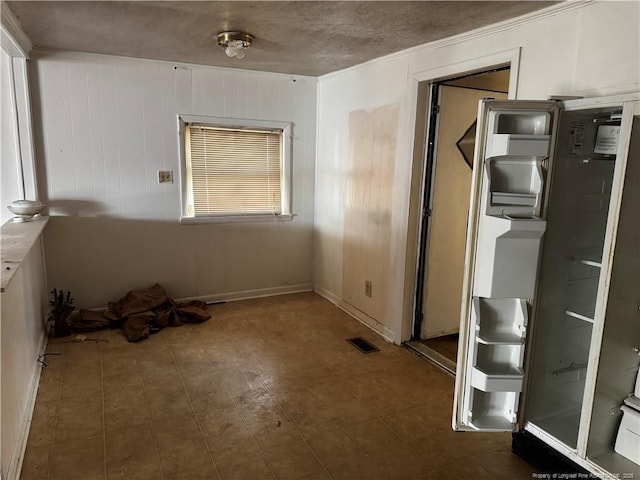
367	288
165	176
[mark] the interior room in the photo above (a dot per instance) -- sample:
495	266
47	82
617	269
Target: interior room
209	199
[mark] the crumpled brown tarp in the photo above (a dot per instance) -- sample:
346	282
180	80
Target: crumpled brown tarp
142	312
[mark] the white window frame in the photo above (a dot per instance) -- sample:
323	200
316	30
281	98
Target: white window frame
239	124
17	45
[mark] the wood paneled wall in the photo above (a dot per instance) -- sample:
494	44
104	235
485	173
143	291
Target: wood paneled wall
367	217
105	125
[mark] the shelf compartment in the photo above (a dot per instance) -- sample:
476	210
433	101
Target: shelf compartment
611	461
586	316
515	186
507	144
492	422
592	203
520	122
591	263
581	297
498	367
574	367
493	411
589	256
508	380
581	270
500	321
562	425
507	175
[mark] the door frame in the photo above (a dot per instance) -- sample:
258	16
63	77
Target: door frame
421	176
429	184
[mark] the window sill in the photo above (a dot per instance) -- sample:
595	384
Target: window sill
238	219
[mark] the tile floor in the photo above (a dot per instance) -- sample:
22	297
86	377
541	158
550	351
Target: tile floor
446	345
266	389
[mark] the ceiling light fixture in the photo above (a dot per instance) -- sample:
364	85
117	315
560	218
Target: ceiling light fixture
234	43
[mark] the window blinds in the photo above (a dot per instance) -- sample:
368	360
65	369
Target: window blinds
234	171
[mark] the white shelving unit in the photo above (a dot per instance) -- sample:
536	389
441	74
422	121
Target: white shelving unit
497	359
509	234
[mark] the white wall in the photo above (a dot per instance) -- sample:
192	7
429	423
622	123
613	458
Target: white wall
587	49
105	125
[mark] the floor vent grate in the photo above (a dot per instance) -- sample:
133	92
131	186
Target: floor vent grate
363	345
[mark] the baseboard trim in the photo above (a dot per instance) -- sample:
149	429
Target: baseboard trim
359	315
248	294
17	457
323	292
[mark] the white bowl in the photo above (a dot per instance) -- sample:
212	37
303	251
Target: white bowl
24	210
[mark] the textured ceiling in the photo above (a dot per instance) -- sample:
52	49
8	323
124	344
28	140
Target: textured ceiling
305	38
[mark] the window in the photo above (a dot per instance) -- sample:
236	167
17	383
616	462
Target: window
234	172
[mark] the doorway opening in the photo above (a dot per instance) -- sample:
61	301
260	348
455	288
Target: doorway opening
449	141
